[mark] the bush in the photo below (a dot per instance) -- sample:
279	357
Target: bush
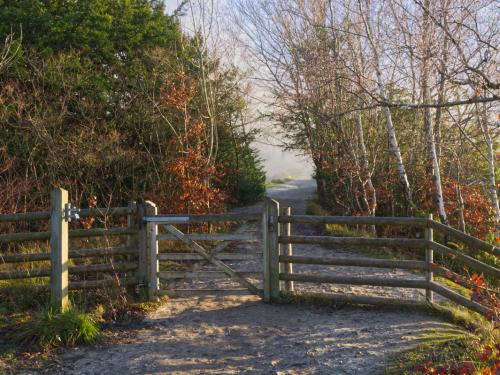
50	329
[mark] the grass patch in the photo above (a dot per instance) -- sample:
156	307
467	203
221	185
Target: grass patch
278	181
437	349
450	350
22	295
49	329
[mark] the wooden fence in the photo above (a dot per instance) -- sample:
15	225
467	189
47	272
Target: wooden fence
279	277
124	262
136	262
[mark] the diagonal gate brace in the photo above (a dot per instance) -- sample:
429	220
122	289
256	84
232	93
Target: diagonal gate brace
212	259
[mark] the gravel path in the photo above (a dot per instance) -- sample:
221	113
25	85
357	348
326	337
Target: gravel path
241	334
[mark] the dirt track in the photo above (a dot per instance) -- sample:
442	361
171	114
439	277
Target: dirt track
241	334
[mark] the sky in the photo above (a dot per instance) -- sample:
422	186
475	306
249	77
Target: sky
277	162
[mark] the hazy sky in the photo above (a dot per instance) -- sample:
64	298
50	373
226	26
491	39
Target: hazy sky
277	162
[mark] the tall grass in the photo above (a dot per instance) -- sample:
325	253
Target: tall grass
50	328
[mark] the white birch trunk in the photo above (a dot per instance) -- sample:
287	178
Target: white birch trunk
490	145
432	158
403	177
365	165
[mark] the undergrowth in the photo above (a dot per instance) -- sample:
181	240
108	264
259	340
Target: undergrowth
30	330
472	350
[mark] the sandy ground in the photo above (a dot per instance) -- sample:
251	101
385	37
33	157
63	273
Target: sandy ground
241	334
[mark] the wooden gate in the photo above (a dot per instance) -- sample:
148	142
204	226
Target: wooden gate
278	276
165	228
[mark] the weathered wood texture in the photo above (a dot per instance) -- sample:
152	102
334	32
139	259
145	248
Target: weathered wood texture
354	220
356	280
191	256
154	265
429	258
24	236
59	250
143	210
73	254
473	242
175	275
91	268
352	241
213	237
356	262
354	299
473	263
45	215
75	233
273	248
287	250
25	216
265	251
207	218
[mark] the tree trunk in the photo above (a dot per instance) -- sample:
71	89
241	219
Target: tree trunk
432	168
403	177
368	188
490	146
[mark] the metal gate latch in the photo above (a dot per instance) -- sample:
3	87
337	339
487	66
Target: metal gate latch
71	213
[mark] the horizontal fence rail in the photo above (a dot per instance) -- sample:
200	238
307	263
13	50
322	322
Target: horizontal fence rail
356	262
283	240
208	218
80	253
57	266
197	257
355	280
360	241
175	275
138	259
475	243
44	272
353	220
25	216
212	237
75	233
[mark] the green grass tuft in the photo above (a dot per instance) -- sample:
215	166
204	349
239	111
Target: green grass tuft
49	329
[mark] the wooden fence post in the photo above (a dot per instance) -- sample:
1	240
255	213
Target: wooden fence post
58	249
273	248
145	209
132	239
265	251
132	224
154	268
287	250
429	258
